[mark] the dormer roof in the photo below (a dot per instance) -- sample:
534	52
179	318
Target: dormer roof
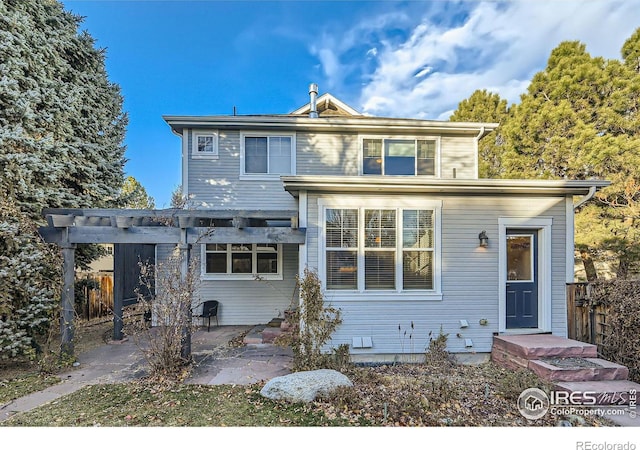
327	105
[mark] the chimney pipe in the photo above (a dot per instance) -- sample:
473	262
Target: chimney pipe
313	95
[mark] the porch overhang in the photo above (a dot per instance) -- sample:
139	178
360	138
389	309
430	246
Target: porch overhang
416	185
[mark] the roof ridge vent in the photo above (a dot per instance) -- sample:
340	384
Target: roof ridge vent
313	97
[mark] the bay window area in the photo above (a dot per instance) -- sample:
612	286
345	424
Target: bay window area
380	249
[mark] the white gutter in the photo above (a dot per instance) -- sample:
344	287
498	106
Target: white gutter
586	198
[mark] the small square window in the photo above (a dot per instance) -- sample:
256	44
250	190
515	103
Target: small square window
205	145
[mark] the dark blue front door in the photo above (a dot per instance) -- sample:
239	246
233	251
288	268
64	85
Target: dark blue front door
522	278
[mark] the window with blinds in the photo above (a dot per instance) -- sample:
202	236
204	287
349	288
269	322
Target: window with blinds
371	249
242	259
342	248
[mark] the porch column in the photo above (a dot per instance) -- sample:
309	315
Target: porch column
67	300
185	257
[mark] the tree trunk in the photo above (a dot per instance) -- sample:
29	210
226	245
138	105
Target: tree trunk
623	269
589	267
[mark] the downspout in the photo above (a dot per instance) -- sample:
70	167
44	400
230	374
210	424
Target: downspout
476	157
586	198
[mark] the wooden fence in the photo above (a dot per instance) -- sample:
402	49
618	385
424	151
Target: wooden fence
99	301
585	322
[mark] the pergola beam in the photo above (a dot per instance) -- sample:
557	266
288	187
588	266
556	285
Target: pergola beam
172	235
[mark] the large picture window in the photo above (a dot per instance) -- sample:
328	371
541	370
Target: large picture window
380	249
267	155
399	156
243	260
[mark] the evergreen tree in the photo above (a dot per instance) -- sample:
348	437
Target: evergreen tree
61	145
579	120
133	195
483	106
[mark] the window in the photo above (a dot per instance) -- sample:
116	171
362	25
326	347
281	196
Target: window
380	249
243	260
205	145
267	154
399	157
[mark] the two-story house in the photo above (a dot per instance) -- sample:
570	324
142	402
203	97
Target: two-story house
393	217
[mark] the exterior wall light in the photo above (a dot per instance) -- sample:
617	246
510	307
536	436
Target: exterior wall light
484	239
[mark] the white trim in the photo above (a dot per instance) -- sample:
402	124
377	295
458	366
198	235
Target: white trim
570	238
241	276
195	154
267	134
302	223
185	162
543	225
384	202
305	109
415	138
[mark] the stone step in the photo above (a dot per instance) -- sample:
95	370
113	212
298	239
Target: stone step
611	392
573	371
537	346
269	334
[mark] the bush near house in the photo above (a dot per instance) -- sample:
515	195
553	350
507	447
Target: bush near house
621	340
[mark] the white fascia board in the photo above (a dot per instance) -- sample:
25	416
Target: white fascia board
333	123
410	184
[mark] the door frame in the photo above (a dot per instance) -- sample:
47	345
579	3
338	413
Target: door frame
543	226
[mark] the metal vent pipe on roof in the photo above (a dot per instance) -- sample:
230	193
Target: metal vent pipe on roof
313	96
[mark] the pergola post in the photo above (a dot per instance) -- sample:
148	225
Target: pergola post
118	291
185	256
67	300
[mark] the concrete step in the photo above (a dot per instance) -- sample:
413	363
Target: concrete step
611	392
538	346
573	369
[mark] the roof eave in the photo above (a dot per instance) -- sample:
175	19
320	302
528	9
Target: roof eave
411	185
178	123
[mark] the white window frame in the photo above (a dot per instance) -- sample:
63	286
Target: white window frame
384	138
195	154
399	204
265	176
241	276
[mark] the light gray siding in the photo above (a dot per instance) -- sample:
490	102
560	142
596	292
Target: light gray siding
250	302
217	183
458	153
469	279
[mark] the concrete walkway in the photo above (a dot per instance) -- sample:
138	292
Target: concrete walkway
215	362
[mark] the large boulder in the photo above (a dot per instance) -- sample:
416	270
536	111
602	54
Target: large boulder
304	386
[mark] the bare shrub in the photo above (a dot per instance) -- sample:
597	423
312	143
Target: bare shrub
169	295
313	323
621	342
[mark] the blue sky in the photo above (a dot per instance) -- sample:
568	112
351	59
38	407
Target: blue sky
387	58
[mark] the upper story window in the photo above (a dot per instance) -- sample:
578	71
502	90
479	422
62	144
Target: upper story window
267	154
205	144
399	156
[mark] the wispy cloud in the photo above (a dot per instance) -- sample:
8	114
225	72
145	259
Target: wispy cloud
409	64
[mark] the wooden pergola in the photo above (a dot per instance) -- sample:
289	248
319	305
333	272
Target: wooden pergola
182	228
